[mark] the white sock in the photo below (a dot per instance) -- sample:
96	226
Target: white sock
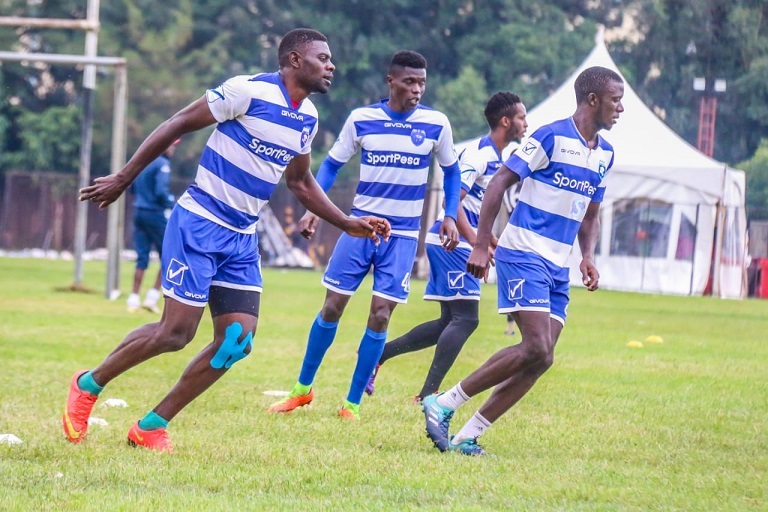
474	428
153	294
453	398
134	301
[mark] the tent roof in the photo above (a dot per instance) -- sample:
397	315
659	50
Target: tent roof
643	143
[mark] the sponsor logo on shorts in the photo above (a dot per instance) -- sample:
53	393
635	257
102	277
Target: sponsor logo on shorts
538	301
196	296
175	272
515	289
456	279
331	281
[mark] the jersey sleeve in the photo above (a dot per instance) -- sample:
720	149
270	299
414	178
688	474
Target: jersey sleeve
471	167
444	150
534	154
229	100
347	143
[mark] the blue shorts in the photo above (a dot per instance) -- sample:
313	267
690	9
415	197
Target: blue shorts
528	283
448	276
392	263
148	230
198	254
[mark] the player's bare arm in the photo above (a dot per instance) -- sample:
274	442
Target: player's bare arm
105	190
588	233
303	185
479	259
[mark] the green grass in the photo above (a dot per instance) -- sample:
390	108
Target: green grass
677	426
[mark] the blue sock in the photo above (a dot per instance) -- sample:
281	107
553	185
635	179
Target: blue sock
86	383
152	421
371	347
320	338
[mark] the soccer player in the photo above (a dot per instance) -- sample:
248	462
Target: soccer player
265	127
152	199
396	137
458	292
562	167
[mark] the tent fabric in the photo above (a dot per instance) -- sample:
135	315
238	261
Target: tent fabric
673	219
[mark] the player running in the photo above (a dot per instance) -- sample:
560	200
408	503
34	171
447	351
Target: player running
562	167
396	138
449	283
265	127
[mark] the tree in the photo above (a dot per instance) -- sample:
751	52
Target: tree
756	169
462	100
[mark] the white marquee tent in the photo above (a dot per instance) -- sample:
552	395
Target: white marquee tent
673	219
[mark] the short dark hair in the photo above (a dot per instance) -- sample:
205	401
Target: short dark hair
408	59
296	40
502	103
594	80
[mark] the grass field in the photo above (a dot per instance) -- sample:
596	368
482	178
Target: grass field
681	425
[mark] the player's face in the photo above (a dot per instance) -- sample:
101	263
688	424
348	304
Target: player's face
518	123
609	105
406	87
316	67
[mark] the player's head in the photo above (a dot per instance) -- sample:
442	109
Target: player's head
306	52
407	80
505	111
600	90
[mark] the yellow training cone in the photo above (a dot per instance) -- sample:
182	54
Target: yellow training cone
654	339
635	344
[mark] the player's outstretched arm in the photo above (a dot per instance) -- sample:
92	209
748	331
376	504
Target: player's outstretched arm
107	189
588	234
303	185
479	259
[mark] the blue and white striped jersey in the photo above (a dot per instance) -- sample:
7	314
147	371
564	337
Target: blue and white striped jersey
478	162
394	160
257	135
560	176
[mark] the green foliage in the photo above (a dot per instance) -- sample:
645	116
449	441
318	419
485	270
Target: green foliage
676	426
459	100
50	141
756	169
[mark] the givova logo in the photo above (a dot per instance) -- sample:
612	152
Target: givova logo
175	272
515	289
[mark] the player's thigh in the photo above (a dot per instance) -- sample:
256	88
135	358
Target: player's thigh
349	264
448	277
392	266
190	253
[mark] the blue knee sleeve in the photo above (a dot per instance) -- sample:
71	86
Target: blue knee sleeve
232	350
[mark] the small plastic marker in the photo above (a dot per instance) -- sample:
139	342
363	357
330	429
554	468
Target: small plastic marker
635	344
654	339
276	392
9	439
115	402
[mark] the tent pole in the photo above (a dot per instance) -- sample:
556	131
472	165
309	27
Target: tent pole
693	256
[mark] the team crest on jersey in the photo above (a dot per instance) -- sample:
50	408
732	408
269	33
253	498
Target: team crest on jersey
529	148
602	169
418	136
304	136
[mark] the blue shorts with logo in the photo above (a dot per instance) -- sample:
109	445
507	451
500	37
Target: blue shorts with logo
526	282
198	254
448	276
392	263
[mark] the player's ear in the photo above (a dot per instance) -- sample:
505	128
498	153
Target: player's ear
294	57
592	99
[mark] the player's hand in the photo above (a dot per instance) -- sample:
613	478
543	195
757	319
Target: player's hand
308	224
105	190
479	262
494	242
449	234
368	227
589	274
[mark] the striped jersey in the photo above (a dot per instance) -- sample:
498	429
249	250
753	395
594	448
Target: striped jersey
394	160
257	135
560	176
478	162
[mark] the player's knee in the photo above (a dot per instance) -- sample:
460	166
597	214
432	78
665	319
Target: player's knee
332	310
234	347
468	324
175	338
536	354
378	319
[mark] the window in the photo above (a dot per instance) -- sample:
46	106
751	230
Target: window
640	228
